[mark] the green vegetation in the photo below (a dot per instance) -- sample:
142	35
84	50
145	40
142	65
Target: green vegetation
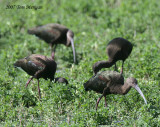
94	23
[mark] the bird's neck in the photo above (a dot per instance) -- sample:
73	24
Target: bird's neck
106	64
102	64
125	88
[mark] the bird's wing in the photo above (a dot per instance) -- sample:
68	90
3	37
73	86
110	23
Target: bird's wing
112	78
48	33
53	33
101	77
113	51
35	65
36	68
106	79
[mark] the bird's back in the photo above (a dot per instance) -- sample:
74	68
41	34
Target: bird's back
51	33
119	49
103	80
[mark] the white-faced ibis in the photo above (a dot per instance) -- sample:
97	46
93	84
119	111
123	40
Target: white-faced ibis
61	80
55	34
117	49
111	82
38	66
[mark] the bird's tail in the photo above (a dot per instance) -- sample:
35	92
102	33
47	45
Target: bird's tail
31	31
86	86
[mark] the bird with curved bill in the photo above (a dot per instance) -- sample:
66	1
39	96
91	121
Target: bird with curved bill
54	34
111	82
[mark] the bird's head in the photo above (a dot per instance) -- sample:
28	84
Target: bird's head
70	41
70	37
96	67
61	80
134	83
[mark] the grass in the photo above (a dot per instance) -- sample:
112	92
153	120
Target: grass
94	23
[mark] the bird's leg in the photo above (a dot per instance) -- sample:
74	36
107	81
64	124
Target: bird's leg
29	81
98	101
122	67
53	50
105	101
39	91
38	73
115	67
52	53
105	91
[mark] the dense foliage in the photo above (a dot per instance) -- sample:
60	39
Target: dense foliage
94	23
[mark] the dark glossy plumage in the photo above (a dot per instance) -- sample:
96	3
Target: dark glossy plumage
111	82
117	49
38	66
54	34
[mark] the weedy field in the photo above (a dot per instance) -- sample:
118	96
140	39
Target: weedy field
94	23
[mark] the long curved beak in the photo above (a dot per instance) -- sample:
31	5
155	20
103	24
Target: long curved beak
140	92
74	54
